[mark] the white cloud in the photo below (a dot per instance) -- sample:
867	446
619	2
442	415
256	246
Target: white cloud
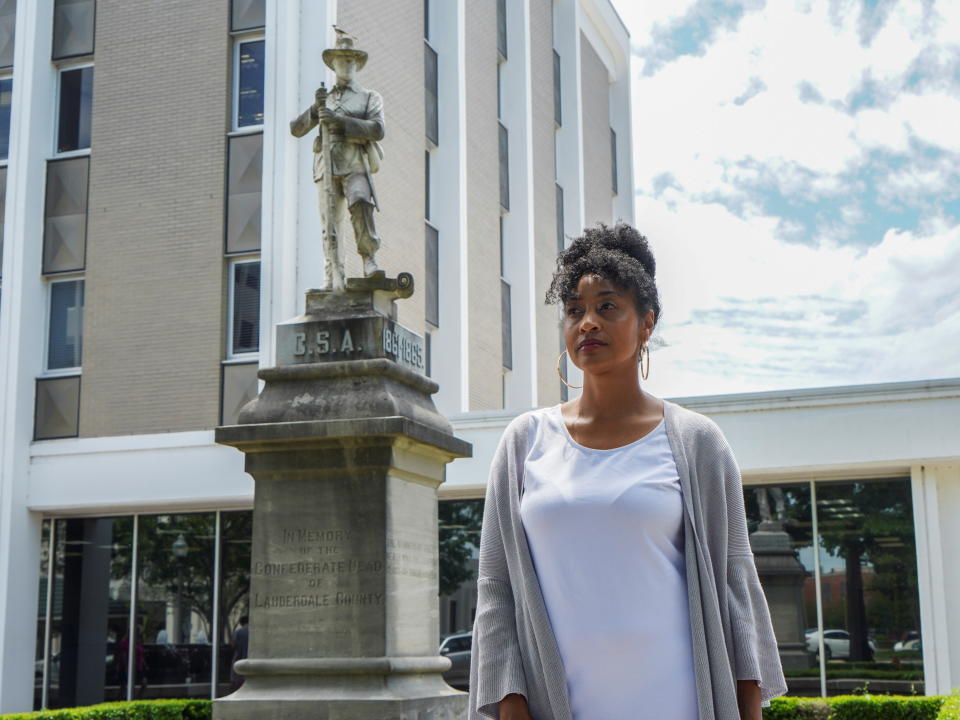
744	312
751	300
688	124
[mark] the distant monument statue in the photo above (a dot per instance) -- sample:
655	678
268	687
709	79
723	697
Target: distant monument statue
346	154
763	501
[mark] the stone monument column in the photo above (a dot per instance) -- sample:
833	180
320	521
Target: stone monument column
347	450
782	576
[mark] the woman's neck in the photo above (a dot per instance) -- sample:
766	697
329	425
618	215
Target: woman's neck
613	395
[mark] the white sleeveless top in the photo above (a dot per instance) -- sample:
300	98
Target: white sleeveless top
605	530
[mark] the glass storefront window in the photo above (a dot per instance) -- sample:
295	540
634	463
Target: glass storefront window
866	554
87	648
174	606
236	531
89	610
871	608
459	538
779	522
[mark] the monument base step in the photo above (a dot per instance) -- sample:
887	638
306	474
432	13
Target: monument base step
450	706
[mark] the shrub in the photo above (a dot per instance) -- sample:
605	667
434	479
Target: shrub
885	707
137	710
950	710
797	708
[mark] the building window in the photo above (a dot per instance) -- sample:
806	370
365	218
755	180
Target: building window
431	93
432	266
506	315
426	184
560	234
3	208
74	22
248	74
65	215
502	248
504	167
458	527
57	408
238	386
500	91
428	352
6	101
557	104
244	310
613	159
8	26
65	325
247	14
75	106
502	28
244	189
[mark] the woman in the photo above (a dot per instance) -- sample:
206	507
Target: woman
616	578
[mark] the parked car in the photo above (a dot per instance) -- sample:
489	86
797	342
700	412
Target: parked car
910	641
836	643
457	648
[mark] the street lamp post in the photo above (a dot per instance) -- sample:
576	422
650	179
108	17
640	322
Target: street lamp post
179	550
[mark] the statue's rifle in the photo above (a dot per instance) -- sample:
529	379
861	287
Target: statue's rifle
331	228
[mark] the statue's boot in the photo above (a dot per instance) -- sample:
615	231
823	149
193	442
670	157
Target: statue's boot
370	267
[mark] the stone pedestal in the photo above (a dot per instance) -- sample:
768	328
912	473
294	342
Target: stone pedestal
782	576
347	451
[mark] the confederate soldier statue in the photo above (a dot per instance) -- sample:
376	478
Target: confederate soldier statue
346	154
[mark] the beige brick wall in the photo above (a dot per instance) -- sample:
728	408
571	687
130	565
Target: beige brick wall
392	32
544	197
483	206
155	270
595	92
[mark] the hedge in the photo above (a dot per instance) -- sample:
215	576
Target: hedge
865	707
136	710
839	707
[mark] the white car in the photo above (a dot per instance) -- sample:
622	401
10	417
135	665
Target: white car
836	643
911	641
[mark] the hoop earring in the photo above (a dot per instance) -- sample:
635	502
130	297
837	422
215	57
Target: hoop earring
643	374
560	374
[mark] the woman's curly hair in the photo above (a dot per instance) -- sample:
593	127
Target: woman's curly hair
619	254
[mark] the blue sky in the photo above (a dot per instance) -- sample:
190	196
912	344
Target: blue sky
797	169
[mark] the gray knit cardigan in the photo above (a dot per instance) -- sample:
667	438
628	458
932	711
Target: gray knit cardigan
514	649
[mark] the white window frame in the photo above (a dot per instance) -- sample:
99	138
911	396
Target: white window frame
62	68
238	40
59	372
229	354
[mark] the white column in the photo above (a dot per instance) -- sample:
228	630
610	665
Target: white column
448	208
569	139
518	228
936	506
291	245
22	325
278	238
621	113
317	18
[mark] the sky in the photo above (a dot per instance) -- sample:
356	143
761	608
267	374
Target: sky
797	173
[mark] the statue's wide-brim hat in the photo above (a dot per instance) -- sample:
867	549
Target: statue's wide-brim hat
359	56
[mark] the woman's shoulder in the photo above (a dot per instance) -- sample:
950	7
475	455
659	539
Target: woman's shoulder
522	428
693	426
